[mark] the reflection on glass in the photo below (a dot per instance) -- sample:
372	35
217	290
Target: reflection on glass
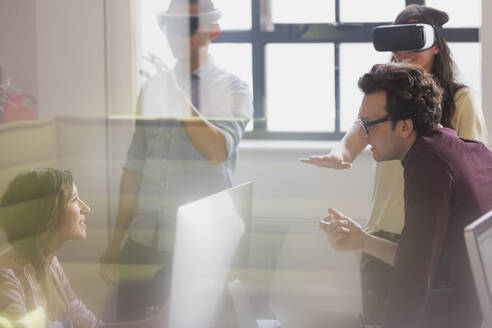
370	11
461	13
300	87
469	71
307	11
355	60
236	15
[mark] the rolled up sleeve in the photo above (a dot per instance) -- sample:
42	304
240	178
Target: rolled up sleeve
235	113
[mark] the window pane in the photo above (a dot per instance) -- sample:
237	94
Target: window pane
236	15
461	13
300	87
468	58
355	60
370	11
307	11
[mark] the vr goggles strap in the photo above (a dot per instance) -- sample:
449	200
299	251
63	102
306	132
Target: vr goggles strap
439	31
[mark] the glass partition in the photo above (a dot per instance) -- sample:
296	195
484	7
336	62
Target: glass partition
158	107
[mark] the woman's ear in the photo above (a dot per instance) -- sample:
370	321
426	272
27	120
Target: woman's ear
436	49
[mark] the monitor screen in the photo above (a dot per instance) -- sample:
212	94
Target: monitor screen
478	237
484	241
209	249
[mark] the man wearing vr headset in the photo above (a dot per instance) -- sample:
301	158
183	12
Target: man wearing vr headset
189	152
413	43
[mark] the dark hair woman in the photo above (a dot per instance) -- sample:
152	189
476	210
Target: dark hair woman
40	210
437	61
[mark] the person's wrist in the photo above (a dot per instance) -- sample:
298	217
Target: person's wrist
366	241
115	245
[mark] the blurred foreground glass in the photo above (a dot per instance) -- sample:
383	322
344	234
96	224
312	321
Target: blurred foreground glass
370	11
461	13
307	11
356	59
300	87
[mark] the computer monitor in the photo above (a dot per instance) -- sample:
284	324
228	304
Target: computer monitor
211	235
478	237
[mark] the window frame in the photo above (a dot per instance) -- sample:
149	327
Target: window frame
293	33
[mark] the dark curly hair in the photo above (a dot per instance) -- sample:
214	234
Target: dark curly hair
444	68
30	211
411	93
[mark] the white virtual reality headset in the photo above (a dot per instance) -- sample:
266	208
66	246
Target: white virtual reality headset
414	37
186	24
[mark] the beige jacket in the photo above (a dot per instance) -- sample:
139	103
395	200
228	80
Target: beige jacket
20	292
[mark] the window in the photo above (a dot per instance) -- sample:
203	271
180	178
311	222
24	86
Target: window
311	11
461	13
292	104
468	56
352	66
380	10
303	62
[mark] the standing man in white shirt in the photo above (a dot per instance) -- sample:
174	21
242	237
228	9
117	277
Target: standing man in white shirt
188	152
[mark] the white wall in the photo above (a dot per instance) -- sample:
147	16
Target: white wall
71	81
18	44
288	189
121	56
70	61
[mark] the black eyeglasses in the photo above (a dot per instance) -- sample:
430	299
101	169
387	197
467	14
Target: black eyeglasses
366	124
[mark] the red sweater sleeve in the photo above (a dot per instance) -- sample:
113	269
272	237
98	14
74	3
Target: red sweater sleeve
428	193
